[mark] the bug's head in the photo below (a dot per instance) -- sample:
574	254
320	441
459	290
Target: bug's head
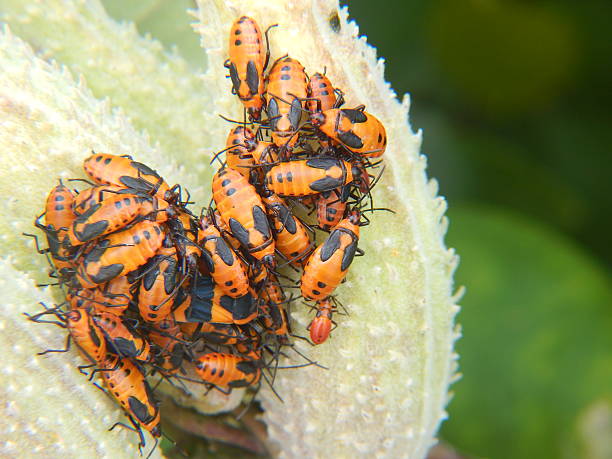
255	113
355	217
269	261
317	118
156	431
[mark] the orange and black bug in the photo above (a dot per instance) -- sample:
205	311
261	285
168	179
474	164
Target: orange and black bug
359	131
58	219
286	87
311	176
88	338
242	210
246	64
250	346
320	89
206	303
240	142
329	263
272	307
244	152
223	264
124	341
183	233
159	285
331	207
290	235
127	384
113	213
168	338
227	370
321	326
119	253
107	169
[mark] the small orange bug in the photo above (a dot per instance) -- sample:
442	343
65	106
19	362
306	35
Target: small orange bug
167	337
226	370
224	266
159	285
321	326
286	87
124	341
311	176
244	152
320	89
329	263
58	219
247	62
240	142
250	345
242	210
272	310
115	212
107	169
119	253
127	384
290	235
331	207
359	131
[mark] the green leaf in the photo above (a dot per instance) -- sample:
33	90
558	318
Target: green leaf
537	341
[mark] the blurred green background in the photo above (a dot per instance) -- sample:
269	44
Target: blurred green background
514	99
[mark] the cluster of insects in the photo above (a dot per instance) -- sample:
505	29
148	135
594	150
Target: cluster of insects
298	153
151	287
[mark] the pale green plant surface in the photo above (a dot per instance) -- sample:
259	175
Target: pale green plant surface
391	361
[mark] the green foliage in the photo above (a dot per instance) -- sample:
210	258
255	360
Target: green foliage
165	20
536	346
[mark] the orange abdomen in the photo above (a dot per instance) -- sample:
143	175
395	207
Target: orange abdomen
321	89
227	370
320	327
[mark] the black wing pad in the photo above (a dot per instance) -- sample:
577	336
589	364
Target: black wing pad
330	245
